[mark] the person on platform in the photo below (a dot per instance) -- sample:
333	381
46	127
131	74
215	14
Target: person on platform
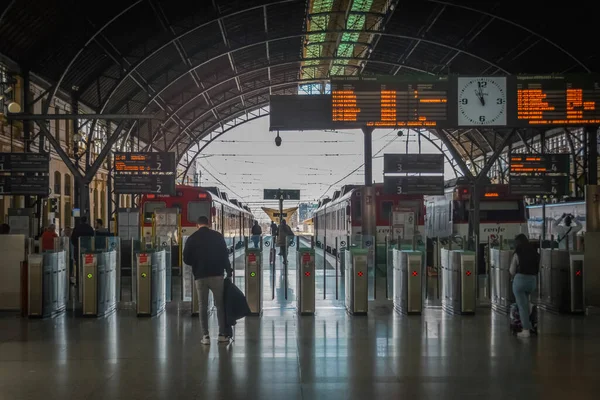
256	232
99	226
566	228
524	268
273	229
206	251
48	238
284	232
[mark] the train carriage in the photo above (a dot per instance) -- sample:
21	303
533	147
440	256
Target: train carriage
231	218
342	215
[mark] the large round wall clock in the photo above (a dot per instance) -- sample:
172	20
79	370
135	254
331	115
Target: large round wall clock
482	101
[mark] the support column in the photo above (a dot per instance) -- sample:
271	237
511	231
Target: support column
592	172
109	185
369	224
543	151
479	180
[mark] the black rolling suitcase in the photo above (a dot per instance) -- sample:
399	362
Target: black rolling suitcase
515	319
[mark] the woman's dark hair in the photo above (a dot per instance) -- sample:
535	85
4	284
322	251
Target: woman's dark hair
528	256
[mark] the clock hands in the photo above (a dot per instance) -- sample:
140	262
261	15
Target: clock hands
479	94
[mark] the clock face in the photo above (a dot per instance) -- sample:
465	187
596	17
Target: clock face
482	101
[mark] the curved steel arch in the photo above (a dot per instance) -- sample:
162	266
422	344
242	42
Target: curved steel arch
176	140
507	21
279	64
87	43
262	105
165	45
193	68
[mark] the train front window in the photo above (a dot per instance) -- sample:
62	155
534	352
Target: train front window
497	211
150	207
197	209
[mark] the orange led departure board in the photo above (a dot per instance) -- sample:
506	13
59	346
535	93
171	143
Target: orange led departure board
137	173
389	101
558	100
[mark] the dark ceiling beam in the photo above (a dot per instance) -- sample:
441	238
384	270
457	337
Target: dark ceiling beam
445	138
153	52
464	42
422	32
295	81
164	21
267	50
286	37
92	38
44	117
248	72
507	21
386	18
5	11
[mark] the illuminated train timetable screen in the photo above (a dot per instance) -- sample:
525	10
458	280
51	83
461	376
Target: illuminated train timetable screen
558	100
389	102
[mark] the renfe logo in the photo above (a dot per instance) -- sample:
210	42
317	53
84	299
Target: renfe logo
498	229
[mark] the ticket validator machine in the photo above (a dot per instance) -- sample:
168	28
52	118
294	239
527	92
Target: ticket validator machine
151	283
576	285
253	278
408	282
459	282
357	281
306	281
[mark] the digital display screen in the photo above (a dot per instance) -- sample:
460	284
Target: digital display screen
393	102
139	173
539	163
558	100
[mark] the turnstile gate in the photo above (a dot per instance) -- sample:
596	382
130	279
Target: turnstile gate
459	278
502	295
99	281
357	281
408	283
47	284
253	279
151	283
561	281
305	281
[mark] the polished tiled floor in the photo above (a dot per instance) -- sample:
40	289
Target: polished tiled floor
282	356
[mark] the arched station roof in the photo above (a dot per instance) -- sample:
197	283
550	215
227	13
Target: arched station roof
203	64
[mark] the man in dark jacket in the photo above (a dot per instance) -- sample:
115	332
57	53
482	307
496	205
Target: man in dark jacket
207	253
256	232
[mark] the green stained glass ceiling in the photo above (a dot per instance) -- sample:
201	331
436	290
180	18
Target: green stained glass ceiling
328	49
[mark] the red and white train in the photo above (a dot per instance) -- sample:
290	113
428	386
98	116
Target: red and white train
500	213
230	217
342	215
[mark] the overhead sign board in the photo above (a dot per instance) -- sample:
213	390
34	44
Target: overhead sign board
25	162
285	194
144	173
138	163
140	184
384	101
539	163
564	99
25	185
425	185
540	185
413	163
